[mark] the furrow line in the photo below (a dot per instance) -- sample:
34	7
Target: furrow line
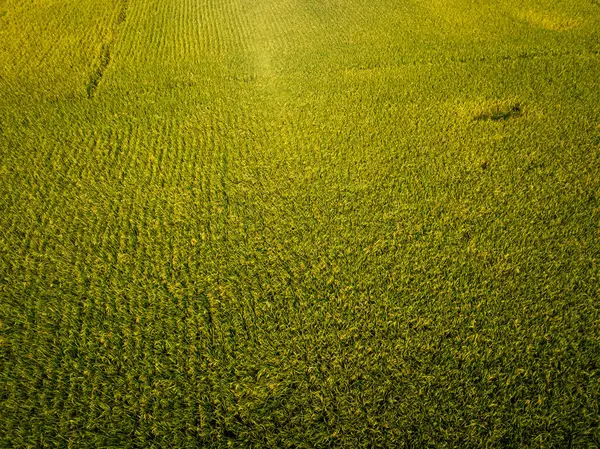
105	52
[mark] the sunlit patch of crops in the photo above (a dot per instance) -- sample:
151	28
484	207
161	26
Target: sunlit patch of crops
548	21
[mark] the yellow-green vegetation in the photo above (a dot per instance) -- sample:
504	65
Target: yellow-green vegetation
300	223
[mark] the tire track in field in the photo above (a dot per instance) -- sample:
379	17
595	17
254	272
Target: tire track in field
105	51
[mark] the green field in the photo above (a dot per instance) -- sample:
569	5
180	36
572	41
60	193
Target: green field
300	223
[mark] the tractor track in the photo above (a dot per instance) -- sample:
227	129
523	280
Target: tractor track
105	52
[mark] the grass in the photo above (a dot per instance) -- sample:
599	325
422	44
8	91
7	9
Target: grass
299	224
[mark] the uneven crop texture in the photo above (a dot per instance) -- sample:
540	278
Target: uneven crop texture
299	223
